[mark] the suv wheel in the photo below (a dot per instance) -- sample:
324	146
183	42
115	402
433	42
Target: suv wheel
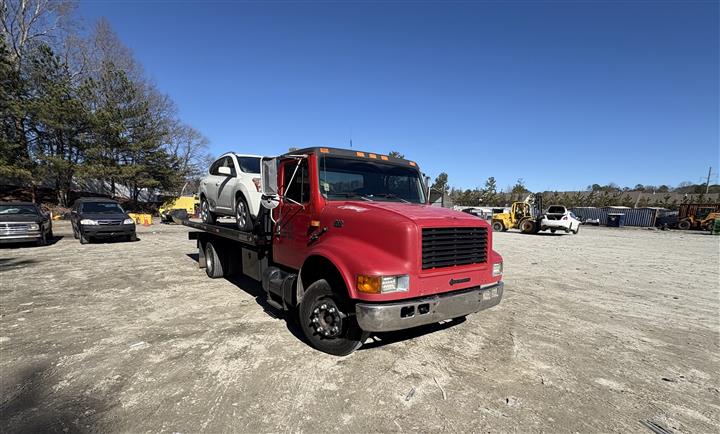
205	213
326	320
242	214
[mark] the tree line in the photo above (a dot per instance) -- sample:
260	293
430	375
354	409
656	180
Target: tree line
595	195
76	107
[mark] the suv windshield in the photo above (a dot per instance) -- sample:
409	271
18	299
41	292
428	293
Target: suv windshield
18	210
343	178
102	208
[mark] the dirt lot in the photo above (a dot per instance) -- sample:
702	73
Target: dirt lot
597	332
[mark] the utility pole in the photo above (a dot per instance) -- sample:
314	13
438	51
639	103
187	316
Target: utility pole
707	184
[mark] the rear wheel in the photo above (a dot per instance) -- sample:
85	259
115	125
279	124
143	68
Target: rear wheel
709	225
497	226
327	322
552	231
205	213
684	225
215	264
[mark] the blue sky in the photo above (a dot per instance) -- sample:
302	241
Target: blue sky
562	94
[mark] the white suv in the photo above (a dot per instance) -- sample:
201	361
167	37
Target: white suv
232	188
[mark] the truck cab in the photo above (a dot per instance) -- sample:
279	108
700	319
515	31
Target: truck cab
352	247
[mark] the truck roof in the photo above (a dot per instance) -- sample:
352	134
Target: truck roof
350	153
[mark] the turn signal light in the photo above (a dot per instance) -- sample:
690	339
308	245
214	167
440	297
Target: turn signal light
369	284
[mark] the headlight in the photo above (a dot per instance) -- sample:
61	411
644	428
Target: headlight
497	269
383	284
34	227
128	222
88	222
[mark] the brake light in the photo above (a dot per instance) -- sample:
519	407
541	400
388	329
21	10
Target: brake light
256	181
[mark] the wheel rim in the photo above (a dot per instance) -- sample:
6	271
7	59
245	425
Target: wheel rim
209	260
204	211
241	214
327	319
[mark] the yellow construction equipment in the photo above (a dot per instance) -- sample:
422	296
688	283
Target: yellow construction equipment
189	204
699	221
523	215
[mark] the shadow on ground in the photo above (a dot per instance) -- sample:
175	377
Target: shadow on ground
254	288
29	404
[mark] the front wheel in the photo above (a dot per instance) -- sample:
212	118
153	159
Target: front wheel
327	322
527	226
207	216
684	225
242	215
497	227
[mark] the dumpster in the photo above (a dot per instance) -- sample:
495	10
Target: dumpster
615	220
715	228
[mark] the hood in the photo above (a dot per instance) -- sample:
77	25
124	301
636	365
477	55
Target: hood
422	215
30	218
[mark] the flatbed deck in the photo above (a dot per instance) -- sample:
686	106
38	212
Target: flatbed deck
227	231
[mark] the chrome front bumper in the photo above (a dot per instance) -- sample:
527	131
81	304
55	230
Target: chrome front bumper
375	317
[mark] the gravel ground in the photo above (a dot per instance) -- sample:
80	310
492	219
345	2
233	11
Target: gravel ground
597	332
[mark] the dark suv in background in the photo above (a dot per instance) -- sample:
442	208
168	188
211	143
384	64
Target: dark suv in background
100	218
22	222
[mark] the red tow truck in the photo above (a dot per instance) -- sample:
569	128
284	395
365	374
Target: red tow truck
347	242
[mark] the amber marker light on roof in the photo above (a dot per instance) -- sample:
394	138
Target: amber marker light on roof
324	151
372	155
384	158
412	163
360	154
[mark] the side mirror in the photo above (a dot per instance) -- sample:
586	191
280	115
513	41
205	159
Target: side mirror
427	188
268	175
224	171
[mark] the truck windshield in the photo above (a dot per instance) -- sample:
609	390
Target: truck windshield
18	209
344	178
102	208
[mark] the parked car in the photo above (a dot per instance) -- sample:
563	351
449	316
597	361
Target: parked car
96	217
557	218
232	189
22	222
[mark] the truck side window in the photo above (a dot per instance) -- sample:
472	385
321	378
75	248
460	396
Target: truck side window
299	190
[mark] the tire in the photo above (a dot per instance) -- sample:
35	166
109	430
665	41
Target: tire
130	238
215	263
709	225
243	219
75	234
84	239
552	231
684	225
318	299
576	231
43	240
497	227
567	231
527	226
207	216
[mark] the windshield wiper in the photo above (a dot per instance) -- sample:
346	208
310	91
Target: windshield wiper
389	196
350	194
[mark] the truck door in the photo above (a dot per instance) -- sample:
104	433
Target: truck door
293	217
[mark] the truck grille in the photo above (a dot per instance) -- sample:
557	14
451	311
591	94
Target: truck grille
14	228
445	247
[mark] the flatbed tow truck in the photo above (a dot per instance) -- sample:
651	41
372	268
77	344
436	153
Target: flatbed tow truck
347	243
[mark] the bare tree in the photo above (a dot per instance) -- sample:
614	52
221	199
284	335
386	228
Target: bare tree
26	22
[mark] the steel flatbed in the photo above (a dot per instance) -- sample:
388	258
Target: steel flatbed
225	231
